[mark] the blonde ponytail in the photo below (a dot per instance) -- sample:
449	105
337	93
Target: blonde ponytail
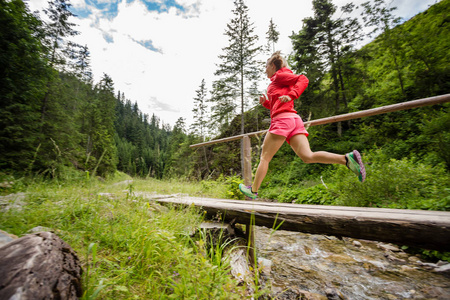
277	60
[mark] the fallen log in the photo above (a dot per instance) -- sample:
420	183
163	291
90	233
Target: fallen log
418	228
39	266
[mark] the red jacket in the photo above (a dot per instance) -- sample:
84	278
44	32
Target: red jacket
284	82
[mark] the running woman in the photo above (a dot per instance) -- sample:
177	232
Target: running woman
286	125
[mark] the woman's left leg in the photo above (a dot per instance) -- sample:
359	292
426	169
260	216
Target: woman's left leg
272	143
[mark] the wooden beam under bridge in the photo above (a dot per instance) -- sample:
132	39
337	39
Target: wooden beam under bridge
418	228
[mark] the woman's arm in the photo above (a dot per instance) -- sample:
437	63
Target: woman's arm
264	101
297	84
299	87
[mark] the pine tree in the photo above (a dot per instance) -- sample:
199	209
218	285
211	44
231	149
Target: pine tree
239	65
23	75
58	30
321	45
199	126
223	107
200	118
272	35
56	33
101	146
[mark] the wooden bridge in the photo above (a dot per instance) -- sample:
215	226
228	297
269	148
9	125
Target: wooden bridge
418	228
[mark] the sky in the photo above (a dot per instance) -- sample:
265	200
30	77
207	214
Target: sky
157	52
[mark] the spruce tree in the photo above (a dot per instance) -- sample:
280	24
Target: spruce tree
58	129
56	33
81	63
23	74
178	162
100	136
58	30
272	35
223	107
239	66
201	118
321	45
199	126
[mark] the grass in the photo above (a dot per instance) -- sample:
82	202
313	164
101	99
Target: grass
129	248
132	249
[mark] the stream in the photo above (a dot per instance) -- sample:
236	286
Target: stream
307	266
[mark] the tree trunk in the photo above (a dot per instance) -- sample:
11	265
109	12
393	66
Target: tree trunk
39	266
399	73
206	160
44	107
242	118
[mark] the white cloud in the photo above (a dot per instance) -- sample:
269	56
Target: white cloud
188	51
186	45
161	106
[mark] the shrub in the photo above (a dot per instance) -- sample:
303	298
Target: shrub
317	194
395	184
232	187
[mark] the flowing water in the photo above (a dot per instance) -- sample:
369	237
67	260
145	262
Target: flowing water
305	266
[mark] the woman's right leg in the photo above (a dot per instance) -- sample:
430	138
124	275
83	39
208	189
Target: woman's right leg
272	143
352	160
300	145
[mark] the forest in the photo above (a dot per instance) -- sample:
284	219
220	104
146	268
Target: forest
57	123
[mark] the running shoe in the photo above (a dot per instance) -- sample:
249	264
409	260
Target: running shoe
355	164
247	191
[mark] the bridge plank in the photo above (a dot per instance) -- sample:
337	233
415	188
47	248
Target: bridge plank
418	228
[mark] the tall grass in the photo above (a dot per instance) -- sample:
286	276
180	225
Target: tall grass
129	248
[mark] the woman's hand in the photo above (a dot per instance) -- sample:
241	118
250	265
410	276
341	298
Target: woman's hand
284	98
262	99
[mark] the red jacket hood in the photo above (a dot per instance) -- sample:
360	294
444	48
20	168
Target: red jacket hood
278	76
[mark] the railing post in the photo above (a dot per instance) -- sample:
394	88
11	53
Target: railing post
247	174
247	160
250	236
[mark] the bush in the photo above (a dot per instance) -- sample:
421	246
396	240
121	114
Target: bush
395	184
232	183
317	194
9	184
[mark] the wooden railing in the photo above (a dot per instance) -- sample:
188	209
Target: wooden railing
247	172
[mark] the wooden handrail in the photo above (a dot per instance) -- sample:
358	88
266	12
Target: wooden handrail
345	117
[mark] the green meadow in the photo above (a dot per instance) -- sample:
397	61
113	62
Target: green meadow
129	247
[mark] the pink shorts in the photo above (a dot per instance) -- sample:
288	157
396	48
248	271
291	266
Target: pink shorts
287	127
